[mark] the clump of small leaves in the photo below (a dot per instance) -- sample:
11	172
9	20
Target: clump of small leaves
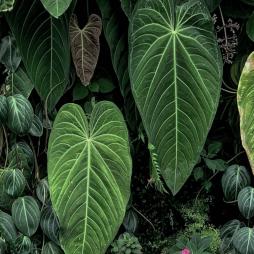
126	244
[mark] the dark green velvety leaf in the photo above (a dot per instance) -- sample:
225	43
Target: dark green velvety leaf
128	7
20	114
5	199
245	201
14	182
19	83
3	109
79	92
23	244
6	5
212	4
42	191
234	180
51	248
216	164
56	7
49	224
44	45
250	27
36	129
3	245
26	215
7	228
89	173
244	240
9	55
175	70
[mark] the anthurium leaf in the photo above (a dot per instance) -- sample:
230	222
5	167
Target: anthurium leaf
5	199
19	83
42	190
6	5
36	128
43	42
49	224
9	55
7	228
85	46
245	201
14	182
20	114
234	180
245	104
23	244
56	8
244	240
227	234
51	248
3	109
175	72
89	171
116	34
26	215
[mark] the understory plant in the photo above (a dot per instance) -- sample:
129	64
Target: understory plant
98	97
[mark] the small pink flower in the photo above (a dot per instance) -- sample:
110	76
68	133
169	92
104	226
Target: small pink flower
185	251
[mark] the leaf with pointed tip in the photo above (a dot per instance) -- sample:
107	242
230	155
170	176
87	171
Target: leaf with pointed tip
89	172
49	224
56	8
42	191
234	180
246	108
245	201
23	244
51	248
176	72
7	228
20	114
26	215
244	240
36	128
128	7
85	46
19	83
43	42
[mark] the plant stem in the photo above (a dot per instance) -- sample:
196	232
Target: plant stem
7	147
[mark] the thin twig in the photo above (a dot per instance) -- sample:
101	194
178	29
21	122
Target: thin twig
7	147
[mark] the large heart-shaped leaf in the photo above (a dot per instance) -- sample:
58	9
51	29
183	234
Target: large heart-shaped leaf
56	7
246	108
89	171
175	72
116	34
85	46
44	45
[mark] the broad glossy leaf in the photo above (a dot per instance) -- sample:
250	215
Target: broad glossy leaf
245	104
51	248
89	171
227	234
7	228
175	72
9	55
116	34
42	191
20	114
19	83
36	128
244	240
23	244
56	7
43	42
85	46
26	215
3	109
6	5
245	201
234	180
14	182
49	224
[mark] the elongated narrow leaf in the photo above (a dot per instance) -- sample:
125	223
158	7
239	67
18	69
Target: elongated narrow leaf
245	201
7	228
234	180
244	240
43	42
175	71
246	108
19	83
89	171
56	7
26	215
85	46
116	34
